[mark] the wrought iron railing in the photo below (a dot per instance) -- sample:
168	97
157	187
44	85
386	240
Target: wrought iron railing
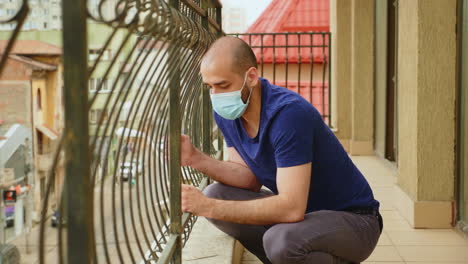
299	61
121	197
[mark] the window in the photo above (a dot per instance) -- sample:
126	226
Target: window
43	187
105	86
92	86
40	143
95	82
95	115
39	99
52	186
93	54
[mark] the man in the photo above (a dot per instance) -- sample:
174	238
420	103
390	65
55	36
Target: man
319	208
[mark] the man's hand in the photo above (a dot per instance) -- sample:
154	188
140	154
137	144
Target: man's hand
188	153
194	201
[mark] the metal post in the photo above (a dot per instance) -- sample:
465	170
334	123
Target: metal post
330	124
219	20
29	200
206	111
174	161
78	188
2	208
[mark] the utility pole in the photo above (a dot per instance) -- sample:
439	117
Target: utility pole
2	207
28	181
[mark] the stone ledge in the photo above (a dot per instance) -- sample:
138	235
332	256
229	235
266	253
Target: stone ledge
208	245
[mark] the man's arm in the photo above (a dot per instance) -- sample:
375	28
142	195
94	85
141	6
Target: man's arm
288	206
233	172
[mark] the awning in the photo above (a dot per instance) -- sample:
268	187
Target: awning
52	135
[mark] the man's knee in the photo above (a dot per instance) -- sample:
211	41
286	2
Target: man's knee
279	245
214	190
282	244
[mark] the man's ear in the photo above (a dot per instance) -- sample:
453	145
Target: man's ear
253	76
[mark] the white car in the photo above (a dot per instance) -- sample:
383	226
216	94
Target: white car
130	169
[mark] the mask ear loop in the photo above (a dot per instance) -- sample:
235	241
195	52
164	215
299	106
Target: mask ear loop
250	88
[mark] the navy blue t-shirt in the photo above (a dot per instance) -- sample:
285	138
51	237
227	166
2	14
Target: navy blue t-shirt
292	132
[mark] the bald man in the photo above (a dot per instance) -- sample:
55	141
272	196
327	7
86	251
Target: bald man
316	208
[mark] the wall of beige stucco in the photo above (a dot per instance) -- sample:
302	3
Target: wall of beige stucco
381	24
362	76
426	95
340	26
407	95
436	99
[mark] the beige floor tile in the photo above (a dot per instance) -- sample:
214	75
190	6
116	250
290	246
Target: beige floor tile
378	182
386	206
443	262
384	240
400	243
383	262
387	192
392	215
434	253
426	238
385	253
399	225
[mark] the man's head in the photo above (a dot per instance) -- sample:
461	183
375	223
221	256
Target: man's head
227	64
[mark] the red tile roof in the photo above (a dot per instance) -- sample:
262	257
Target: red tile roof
291	16
32	47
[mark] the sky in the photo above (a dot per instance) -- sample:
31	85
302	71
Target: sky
253	7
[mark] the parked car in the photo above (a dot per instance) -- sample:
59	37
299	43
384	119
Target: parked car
130	169
54	221
10	216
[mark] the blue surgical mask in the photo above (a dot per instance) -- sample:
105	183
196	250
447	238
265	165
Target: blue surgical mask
230	105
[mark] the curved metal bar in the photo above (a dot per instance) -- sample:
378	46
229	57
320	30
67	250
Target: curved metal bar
133	222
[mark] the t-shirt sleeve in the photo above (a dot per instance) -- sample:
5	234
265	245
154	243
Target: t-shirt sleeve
220	124
292	136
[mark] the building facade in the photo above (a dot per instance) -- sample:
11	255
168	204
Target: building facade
31	87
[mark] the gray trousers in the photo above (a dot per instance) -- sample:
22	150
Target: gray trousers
323	237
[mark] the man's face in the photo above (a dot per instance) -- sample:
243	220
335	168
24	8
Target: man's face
218	75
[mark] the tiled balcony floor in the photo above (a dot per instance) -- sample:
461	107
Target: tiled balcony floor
399	243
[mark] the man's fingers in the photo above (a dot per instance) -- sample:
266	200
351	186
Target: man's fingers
185	199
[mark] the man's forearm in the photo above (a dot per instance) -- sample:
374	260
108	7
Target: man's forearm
226	172
266	211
